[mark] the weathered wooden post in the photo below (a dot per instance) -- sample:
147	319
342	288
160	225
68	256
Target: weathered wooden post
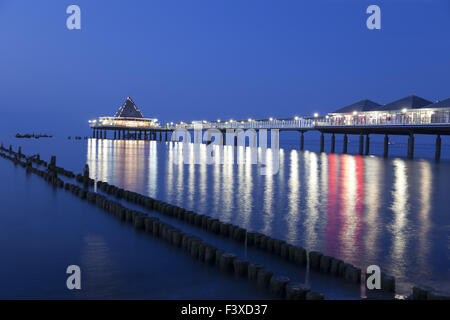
53	162
367	144
86	176
51	169
386	146
302	140
411	146
438	148
361	144
322	142
333	143
344	146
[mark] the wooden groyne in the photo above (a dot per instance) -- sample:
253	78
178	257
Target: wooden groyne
194	246
226	262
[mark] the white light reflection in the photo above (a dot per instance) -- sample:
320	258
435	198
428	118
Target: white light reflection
293	196
400	208
312	198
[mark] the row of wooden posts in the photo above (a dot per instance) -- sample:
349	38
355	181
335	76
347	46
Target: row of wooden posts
226	262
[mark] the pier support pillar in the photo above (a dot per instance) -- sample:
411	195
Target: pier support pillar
333	143
302	141
322	142
115	135
160	136
411	146
386	146
361	144
344	146
93	133
367	144
140	135
165	139
438	148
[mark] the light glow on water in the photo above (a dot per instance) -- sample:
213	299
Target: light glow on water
364	210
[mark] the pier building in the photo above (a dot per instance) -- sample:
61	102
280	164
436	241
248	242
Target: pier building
406	116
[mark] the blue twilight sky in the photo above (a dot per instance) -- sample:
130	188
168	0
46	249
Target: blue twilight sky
210	59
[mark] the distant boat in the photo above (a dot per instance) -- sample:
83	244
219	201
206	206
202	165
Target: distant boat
36	136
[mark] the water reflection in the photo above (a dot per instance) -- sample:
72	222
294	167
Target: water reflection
425	193
312	198
400	209
293	196
98	267
373	200
363	210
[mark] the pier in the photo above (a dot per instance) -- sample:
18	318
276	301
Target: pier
408	116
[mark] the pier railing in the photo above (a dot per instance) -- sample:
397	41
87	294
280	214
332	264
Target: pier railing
307	124
311	123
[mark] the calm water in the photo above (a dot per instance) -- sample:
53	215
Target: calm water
43	230
364	210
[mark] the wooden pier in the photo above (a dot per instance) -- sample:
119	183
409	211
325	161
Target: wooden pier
408	116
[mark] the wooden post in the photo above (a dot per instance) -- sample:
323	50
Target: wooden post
322	142
86	176
302	141
344	147
367	144
361	144
411	146
333	142
438	148
386	146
